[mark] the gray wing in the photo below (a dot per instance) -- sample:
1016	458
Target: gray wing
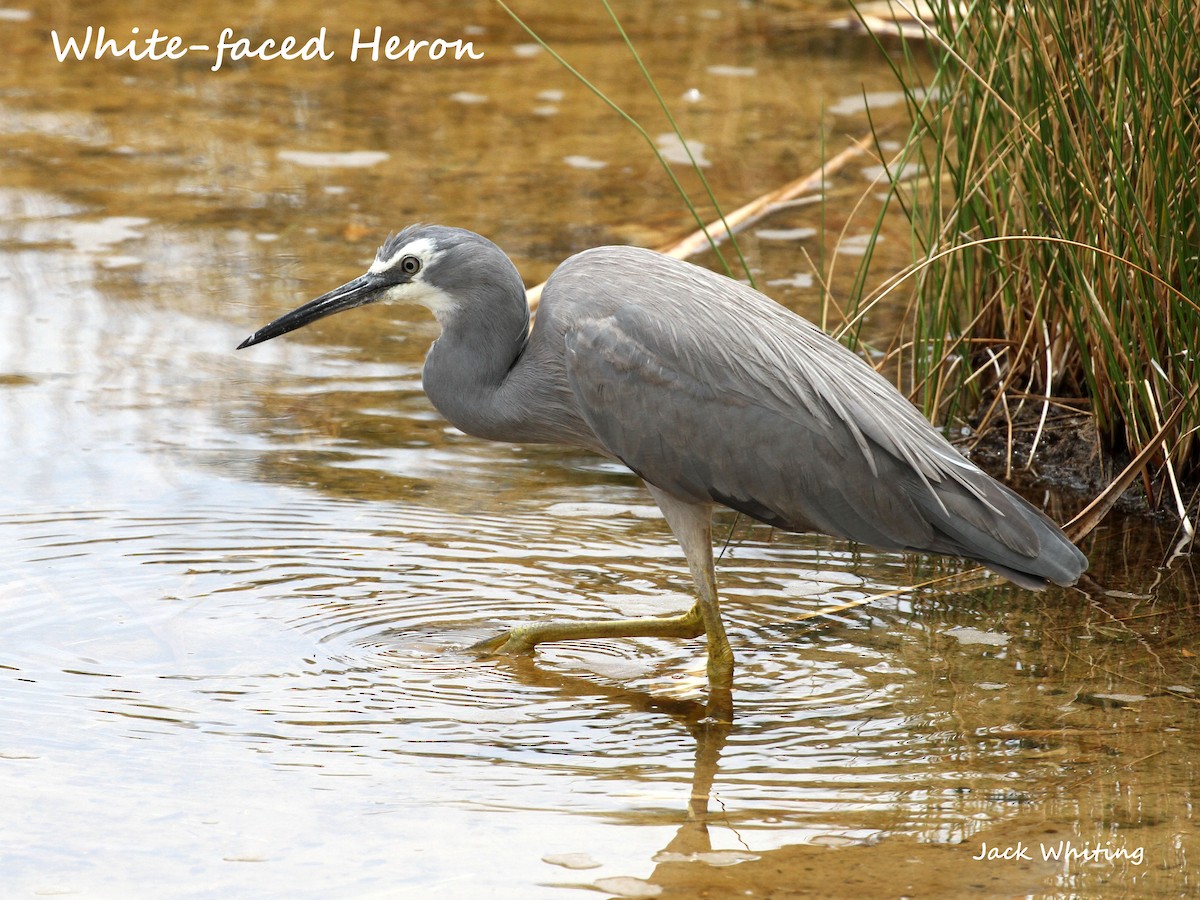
714	393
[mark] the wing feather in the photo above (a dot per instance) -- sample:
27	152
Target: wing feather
712	392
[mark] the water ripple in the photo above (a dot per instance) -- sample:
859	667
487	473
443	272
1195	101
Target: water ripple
317	628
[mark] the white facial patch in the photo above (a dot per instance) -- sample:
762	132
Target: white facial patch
421	248
415	290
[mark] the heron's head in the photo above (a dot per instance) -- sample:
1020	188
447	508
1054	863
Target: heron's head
444	269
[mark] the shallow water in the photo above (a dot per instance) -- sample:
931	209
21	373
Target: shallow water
238	587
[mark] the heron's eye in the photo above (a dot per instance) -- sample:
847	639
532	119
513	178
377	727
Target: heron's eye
410	265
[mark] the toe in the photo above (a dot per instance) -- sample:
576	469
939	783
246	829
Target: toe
507	643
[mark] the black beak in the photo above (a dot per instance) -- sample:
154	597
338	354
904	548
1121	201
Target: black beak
360	291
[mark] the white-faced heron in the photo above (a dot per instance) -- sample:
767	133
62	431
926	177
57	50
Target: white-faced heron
708	390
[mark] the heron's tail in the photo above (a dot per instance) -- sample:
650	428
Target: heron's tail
991	524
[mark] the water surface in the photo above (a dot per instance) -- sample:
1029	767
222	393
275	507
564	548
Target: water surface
238	587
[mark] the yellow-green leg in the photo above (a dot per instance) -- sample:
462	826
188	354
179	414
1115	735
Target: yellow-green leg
523	638
692	525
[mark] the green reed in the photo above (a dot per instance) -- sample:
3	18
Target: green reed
1057	216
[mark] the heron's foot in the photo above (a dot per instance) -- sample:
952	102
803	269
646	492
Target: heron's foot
720	664
524	638
718	711
513	642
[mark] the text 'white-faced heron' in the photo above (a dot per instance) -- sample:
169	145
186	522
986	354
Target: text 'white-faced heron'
708	390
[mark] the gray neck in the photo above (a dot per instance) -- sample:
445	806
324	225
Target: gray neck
482	338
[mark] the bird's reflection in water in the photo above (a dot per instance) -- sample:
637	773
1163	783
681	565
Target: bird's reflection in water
709	724
883	865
